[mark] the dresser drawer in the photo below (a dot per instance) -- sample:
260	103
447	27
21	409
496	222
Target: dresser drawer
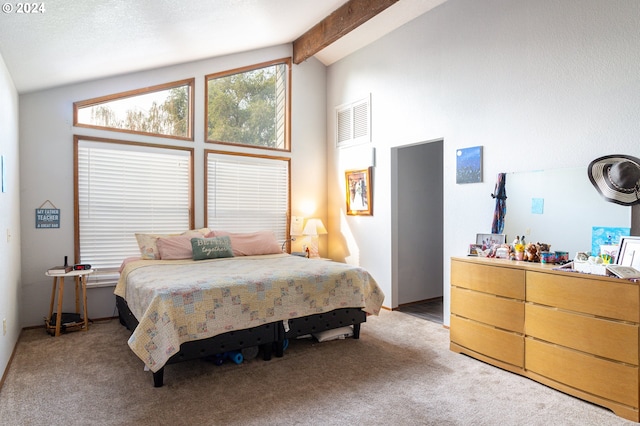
605	338
497	344
489	309
606	379
607	299
507	282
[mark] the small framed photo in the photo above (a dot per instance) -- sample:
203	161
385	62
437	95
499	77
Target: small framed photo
359	202
486	241
474	249
629	253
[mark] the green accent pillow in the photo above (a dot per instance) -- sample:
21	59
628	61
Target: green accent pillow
211	248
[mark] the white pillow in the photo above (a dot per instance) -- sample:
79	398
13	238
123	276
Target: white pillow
336	333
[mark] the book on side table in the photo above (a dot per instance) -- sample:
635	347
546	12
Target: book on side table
59	270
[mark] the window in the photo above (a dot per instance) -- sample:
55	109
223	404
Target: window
247	193
124	188
250	106
163	110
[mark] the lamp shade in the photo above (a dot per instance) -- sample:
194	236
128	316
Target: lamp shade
314	227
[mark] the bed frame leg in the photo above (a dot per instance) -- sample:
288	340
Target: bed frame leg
158	378
279	346
266	352
356	331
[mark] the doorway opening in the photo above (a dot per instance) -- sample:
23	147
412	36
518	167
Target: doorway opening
417	226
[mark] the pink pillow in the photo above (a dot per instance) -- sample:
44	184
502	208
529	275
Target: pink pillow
178	247
148	242
127	260
251	243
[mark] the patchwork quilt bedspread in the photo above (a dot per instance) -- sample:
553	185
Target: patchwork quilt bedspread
176	301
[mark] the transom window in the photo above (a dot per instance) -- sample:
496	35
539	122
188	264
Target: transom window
164	110
250	106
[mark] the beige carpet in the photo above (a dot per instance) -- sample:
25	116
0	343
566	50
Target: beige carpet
400	372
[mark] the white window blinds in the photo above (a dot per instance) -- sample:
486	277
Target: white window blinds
246	193
124	189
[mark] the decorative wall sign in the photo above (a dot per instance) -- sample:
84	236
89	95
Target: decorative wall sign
469	165
47	218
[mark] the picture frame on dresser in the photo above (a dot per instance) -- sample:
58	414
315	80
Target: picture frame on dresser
629	252
474	249
486	241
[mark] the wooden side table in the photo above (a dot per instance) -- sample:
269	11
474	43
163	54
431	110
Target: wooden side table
80	278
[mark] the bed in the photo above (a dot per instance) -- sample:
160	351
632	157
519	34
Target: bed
183	309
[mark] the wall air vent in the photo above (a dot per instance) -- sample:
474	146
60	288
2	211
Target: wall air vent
353	122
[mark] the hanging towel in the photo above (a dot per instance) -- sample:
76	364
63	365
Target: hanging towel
500	195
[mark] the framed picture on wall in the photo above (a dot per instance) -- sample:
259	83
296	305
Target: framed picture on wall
469	165
358	192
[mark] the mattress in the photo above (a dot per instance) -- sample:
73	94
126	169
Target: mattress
183	300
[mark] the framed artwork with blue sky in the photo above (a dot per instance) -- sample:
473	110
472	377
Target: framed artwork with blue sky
469	165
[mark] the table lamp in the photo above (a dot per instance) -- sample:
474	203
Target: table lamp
312	229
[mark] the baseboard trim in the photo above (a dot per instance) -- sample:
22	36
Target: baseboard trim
6	370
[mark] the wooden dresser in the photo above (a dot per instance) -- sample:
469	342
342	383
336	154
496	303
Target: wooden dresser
577	333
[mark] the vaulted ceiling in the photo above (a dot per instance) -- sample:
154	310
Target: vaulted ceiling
69	41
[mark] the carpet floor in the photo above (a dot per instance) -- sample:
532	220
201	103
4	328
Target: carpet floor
400	372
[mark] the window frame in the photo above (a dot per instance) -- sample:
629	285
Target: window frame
190	82
287	160
287	107
76	194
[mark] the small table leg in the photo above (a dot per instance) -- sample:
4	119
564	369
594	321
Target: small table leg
84	301
59	313
53	298
77	283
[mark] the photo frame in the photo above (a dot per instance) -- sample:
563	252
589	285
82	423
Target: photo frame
358	192
474	249
629	253
486	241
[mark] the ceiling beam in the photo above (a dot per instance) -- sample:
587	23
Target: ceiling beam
342	21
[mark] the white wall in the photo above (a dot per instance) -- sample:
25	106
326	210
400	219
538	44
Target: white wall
46	143
544	84
9	218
